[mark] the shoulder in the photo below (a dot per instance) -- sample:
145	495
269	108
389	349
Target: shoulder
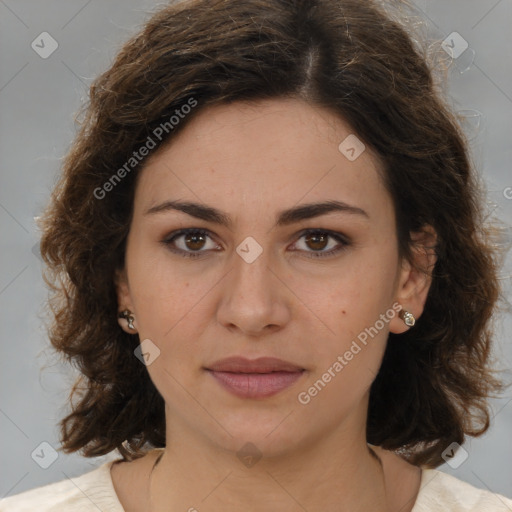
443	492
91	491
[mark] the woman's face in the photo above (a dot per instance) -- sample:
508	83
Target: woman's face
253	283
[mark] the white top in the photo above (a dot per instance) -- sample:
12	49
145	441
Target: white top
93	491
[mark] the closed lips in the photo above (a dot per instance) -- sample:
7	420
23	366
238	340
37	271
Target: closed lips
260	365
257	379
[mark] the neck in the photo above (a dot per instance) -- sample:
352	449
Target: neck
335	474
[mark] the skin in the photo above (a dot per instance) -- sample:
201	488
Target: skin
251	161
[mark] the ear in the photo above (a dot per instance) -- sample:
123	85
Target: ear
413	285
124	300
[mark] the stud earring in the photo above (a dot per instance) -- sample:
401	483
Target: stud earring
128	315
407	317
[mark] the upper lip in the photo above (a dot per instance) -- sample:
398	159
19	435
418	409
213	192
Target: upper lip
239	364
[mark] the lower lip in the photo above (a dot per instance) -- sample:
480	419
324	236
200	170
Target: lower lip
256	385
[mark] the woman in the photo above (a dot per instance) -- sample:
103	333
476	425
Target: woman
270	266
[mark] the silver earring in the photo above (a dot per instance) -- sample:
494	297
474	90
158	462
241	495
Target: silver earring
128	315
407	317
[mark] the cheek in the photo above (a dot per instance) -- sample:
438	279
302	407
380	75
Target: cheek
347	311
348	357
353	294
163	296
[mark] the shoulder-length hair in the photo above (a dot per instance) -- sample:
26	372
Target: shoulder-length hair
346	55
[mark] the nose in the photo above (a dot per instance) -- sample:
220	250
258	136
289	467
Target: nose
255	300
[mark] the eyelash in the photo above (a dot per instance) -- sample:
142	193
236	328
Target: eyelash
168	241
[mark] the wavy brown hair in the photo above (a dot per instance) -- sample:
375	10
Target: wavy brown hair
351	57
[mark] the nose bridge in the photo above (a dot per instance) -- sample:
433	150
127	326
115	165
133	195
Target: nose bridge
252	296
251	276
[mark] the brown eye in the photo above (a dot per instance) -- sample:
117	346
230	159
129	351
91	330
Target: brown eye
191	243
317	241
194	241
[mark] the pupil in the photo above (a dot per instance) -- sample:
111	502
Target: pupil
194	238
314	238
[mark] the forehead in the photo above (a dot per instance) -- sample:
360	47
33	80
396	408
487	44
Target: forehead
263	153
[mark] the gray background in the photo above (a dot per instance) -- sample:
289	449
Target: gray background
38	98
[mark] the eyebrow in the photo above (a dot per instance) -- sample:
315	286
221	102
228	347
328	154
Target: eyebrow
284	217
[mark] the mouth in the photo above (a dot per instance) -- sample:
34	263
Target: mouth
258	378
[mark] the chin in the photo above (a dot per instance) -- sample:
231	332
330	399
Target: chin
266	434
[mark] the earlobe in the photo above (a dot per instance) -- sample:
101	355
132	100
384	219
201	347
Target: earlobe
128	318
415	280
